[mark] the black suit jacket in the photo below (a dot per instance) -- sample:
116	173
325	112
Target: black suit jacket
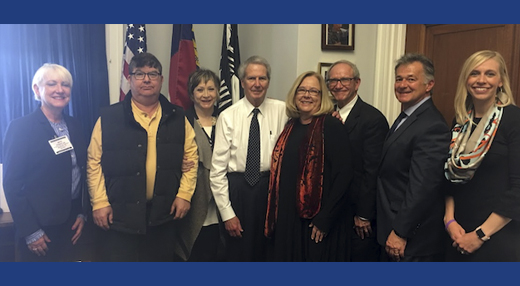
367	128
37	183
409	194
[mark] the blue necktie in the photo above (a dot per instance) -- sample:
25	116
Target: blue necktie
401	116
252	173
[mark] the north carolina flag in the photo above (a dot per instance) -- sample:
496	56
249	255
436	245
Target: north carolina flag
184	60
135	42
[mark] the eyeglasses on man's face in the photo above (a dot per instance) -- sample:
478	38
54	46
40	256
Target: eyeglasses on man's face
332	82
139	75
303	91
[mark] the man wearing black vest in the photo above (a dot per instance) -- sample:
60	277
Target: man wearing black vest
136	183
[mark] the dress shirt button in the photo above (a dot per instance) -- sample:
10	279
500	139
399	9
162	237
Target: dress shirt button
138	173
139	145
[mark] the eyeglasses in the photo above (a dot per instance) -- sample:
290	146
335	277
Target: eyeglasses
344	81
141	75
303	91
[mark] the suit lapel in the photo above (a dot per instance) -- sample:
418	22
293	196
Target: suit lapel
353	117
402	129
44	123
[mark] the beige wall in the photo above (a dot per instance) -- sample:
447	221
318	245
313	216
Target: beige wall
290	49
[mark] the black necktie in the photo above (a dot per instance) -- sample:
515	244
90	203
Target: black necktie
401	116
252	173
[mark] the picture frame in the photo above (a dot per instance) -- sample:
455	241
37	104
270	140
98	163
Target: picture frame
337	36
323	69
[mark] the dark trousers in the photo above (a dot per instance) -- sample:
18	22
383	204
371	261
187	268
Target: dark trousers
60	248
250	206
154	246
208	245
367	249
438	257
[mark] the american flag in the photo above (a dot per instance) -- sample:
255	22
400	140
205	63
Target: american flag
135	42
230	89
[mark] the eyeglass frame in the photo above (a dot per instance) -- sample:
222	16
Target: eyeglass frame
303	91
146	74
349	79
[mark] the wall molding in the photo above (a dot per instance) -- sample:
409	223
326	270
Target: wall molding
391	40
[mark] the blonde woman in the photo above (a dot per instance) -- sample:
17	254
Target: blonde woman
311	170
482	214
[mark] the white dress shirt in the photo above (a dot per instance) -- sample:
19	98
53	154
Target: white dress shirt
231	139
345	110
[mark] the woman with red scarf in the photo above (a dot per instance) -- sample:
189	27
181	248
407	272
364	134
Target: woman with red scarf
311	171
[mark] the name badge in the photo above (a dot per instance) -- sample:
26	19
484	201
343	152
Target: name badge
61	144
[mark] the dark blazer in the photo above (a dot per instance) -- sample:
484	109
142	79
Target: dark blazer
37	183
410	199
367	128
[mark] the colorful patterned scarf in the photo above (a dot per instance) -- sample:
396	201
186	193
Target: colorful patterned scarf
468	149
309	188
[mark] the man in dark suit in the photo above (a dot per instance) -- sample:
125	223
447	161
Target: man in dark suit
367	128
410	204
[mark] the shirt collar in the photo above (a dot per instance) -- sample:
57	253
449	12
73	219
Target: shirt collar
137	110
412	108
250	107
345	110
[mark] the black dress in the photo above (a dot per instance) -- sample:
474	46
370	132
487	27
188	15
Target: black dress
495	187
291	239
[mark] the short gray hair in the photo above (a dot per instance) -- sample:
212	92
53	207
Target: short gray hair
254	60
427	64
351	64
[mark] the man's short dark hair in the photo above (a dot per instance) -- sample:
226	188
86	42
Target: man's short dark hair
145	60
427	64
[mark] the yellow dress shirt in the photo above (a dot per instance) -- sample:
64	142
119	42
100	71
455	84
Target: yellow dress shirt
96	179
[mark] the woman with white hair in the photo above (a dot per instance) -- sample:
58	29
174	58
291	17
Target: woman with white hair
44	172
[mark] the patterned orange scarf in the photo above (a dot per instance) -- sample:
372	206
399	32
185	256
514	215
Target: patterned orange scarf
310	173
467	149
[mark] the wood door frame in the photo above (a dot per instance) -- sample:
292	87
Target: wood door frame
417	40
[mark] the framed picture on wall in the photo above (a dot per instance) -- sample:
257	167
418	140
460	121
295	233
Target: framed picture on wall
337	36
323	69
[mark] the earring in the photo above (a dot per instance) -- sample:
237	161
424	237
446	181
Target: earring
500	89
